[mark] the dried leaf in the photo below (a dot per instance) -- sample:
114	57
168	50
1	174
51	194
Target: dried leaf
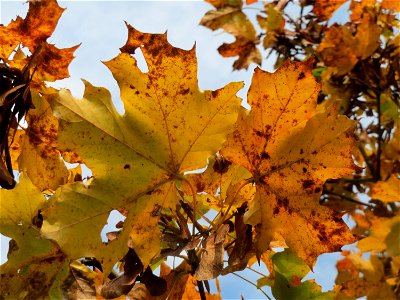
212	259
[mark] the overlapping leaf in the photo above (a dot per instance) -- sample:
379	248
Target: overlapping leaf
230	17
291	149
340	39
387	191
35	149
169	127
33	32
35	266
286	279
324	9
359	277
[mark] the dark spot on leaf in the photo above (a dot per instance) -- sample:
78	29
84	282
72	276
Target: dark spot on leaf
185	91
301	151
317	190
307	183
276	210
174	52
200	186
127	166
301	76
314	152
258	133
283	202
322	238
215	93
221	165
131	86
304	170
265	155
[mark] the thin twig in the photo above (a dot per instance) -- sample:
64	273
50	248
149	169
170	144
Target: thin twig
201	290
266	295
367	161
377	174
350	199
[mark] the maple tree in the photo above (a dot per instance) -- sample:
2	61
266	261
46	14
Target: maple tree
281	174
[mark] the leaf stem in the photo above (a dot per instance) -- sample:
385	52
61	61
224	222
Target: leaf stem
242	185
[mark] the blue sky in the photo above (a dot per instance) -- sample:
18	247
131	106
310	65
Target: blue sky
100	27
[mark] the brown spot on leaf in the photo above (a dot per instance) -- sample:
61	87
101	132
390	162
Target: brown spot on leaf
301	76
215	93
185	91
265	155
283	202
127	166
200	186
307	183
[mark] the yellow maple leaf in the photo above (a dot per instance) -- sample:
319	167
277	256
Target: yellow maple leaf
291	150
387	191
28	271
169	127
35	150
372	283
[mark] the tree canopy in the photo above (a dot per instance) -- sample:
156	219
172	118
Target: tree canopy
320	140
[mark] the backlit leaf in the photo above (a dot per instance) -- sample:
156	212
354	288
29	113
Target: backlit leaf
231	19
324	9
291	150
387	191
169	127
36	265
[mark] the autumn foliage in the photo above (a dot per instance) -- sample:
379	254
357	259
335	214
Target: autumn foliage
321	140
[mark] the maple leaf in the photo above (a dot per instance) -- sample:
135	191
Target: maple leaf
387	191
384	236
35	266
291	150
220	174
231	19
169	127
324	9
273	24
372	283
38	25
33	32
35	150
340	39
287	274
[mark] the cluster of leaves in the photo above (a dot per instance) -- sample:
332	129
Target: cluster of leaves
358	65
267	169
